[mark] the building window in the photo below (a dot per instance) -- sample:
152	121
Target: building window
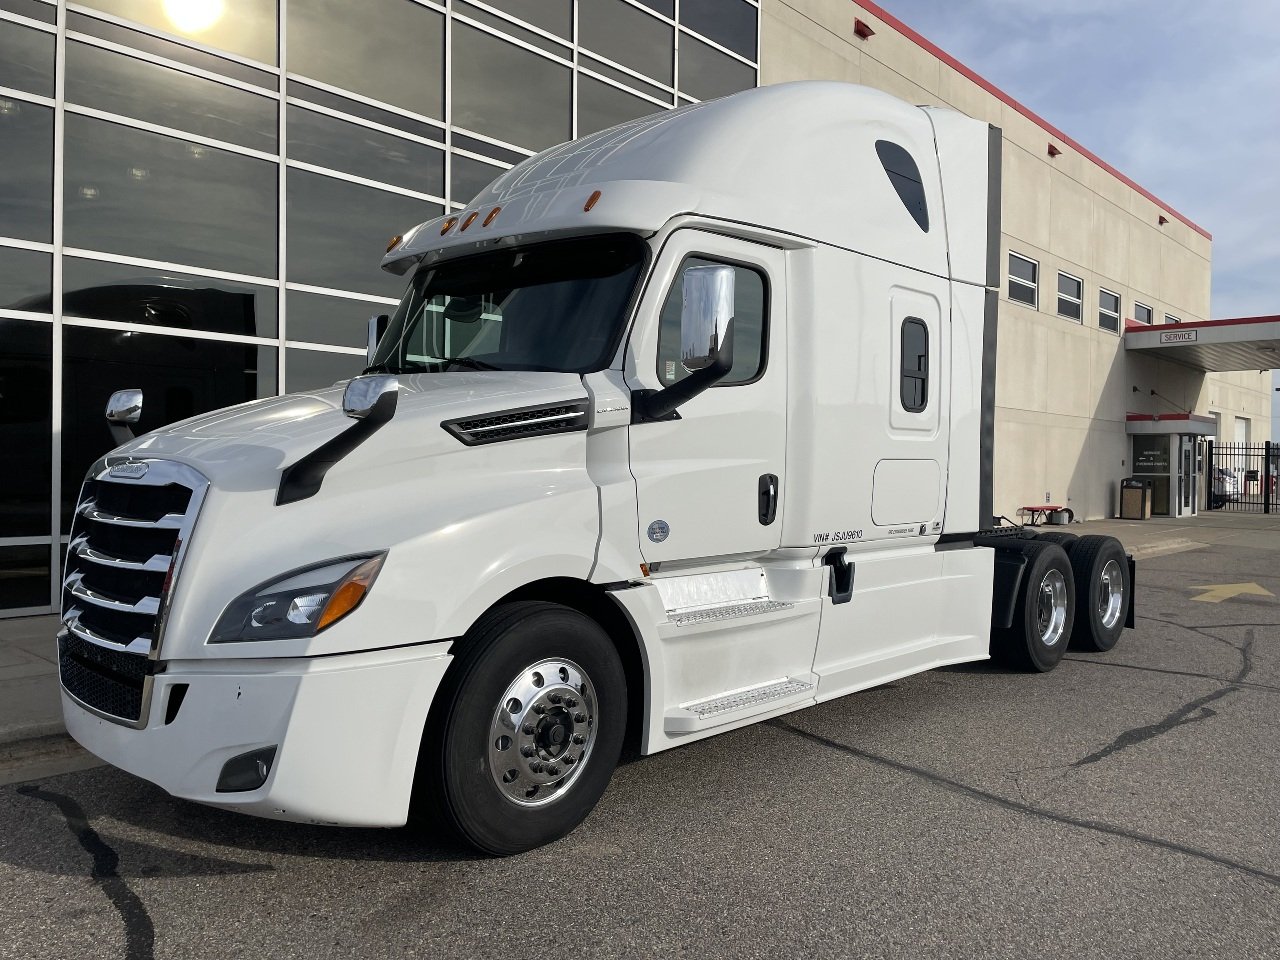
750	295
1024	278
914	384
1170	318
1142	313
1070	296
1109	310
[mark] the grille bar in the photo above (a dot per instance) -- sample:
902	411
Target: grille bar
123	560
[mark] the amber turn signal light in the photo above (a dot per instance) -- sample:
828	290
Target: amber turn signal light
349	593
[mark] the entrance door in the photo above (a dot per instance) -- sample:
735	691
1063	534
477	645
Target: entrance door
701	478
1187	494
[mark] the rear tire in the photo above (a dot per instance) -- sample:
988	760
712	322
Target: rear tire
1044	613
1060	537
1103	591
527	728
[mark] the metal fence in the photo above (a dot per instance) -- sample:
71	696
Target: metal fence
1242	477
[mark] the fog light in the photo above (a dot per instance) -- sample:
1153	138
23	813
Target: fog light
246	772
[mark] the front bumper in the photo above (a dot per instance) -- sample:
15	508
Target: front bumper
348	730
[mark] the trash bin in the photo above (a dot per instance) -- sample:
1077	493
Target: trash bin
1135	499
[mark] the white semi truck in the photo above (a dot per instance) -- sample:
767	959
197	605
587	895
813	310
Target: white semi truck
679	426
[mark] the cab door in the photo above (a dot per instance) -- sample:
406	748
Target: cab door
710	482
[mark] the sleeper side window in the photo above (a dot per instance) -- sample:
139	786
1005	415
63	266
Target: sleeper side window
914	384
750	325
905	177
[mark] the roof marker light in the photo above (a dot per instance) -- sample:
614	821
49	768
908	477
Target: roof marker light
470	219
447	225
395	242
491	217
591	202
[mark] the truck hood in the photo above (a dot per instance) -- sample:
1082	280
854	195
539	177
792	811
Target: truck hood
246	446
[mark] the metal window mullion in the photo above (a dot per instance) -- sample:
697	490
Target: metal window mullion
28	22
15	94
522	44
523	25
57	354
181	41
126	260
711	43
481	158
35	245
282	187
618	85
447	106
23	541
363	181
190	333
344	294
161	130
573	81
367	101
630	71
485	138
178	65
326	348
362	122
675	56
9	314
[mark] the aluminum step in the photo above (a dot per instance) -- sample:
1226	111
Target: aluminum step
728	611
740	704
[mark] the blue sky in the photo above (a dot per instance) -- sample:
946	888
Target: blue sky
1182	97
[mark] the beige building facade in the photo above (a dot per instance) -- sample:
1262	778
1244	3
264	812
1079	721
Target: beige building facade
1085	252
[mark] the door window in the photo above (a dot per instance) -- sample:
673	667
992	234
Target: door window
750	327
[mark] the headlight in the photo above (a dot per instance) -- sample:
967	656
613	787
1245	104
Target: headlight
299	604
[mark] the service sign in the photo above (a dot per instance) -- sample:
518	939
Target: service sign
1179	336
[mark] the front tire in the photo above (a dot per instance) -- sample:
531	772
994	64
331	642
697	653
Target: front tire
528	729
1044	613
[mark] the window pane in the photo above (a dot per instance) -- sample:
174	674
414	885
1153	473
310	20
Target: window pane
665	7
26	59
26	280
246	27
1022	293
1109	321
1168	318
508	93
706	73
26	170
337	320
599	66
170	50
24	577
116	291
1069	308
471	176
314	370
1141	313
390	50
32	10
354	108
1022	269
135	88
554	16
601	106
329	142
338	232
625	35
1069	286
730	23
26	384
1108	301
914	392
749	331
147	195
510	29
179	378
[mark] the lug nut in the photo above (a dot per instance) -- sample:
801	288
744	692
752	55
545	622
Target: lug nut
535	766
579	739
526	750
555	698
539	708
527	729
570	702
570	761
579	718
553	770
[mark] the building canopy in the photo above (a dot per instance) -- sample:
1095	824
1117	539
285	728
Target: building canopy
1215	346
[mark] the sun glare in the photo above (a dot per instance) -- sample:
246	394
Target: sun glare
194	16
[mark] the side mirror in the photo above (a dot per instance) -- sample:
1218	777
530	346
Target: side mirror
706	342
123	410
705	317
377	327
372	397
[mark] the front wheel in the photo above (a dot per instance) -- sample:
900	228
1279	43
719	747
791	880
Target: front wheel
528	730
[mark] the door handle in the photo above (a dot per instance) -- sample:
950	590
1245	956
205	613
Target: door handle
768	498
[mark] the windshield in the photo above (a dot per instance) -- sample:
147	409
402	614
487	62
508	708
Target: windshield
558	305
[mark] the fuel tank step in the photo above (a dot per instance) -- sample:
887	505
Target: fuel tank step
738	704
729	611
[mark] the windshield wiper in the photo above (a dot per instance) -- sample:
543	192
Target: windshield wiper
471	362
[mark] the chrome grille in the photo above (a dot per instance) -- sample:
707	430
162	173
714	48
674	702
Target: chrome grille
126	545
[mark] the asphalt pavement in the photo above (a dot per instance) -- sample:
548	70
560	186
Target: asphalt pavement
1125	805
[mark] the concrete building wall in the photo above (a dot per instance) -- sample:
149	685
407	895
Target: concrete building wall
1063	386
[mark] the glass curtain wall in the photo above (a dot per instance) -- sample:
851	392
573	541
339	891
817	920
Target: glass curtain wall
195	194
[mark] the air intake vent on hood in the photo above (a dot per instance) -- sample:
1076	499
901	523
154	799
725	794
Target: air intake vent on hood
521	422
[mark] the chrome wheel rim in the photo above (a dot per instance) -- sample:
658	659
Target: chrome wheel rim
542	732
1111	594
1051	607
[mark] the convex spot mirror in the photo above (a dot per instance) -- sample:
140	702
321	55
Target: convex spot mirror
705	316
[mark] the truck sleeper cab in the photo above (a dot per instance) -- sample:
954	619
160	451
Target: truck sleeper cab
678	427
